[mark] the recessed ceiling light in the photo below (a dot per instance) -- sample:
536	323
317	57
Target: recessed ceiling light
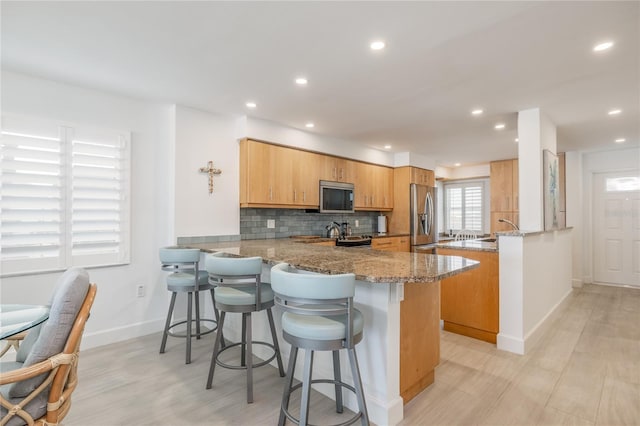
387	147
602	46
251	105
516	140
301	81
620	140
477	111
615	111
377	45
309	125
499	126
457	164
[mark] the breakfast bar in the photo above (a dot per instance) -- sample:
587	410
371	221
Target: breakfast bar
399	296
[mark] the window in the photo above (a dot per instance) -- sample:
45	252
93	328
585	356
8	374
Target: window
64	198
464	205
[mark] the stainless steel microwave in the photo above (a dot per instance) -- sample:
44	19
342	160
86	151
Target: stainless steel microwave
336	197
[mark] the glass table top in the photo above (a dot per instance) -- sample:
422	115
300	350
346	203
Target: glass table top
15	319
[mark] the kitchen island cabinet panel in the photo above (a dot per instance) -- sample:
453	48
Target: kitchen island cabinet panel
470	301
419	338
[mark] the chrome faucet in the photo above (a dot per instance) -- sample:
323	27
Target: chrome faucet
515	227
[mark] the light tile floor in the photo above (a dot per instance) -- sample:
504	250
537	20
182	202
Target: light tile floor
584	371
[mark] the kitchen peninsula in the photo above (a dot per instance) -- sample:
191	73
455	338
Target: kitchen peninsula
399	296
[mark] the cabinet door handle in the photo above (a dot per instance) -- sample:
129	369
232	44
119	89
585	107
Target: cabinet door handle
270	194
341	176
295	195
335	172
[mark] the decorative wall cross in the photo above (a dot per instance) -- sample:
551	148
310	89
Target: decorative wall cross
211	171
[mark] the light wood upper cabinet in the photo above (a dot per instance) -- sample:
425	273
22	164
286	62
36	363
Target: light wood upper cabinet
373	187
272	175
502	185
278	176
337	169
257	173
423	176
306	169
504	194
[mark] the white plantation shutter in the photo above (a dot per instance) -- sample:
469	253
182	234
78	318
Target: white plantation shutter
464	205
64	197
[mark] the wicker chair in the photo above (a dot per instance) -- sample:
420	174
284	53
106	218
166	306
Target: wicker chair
38	392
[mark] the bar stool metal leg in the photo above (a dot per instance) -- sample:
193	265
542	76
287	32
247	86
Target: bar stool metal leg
338	379
286	395
249	359
357	381
197	298
274	336
243	339
217	314
189	313
216	349
168	322
306	387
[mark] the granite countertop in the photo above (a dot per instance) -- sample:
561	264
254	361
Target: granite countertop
475	245
372	266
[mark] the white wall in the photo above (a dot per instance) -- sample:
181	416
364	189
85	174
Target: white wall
199	138
597	162
463	172
401	159
272	132
117	314
535	133
535	279
574	195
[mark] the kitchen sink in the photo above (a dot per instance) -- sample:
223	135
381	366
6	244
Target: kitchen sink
487	240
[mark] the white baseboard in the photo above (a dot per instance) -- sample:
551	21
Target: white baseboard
521	346
510	344
545	323
576	283
118	334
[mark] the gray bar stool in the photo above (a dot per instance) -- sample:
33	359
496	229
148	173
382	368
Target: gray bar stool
318	316
185	277
240	290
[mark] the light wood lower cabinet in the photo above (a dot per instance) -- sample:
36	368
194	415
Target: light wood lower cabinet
419	337
391	243
470	301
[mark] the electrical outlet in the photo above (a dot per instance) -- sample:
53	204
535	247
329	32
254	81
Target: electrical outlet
271	223
357	223
140	290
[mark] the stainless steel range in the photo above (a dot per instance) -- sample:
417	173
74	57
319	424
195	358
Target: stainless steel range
354	241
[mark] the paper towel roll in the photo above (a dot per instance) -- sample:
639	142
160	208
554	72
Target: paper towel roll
382	224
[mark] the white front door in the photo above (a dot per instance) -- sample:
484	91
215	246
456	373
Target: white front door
616	228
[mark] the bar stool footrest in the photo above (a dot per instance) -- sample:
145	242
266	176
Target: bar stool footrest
183	334
244	367
295	387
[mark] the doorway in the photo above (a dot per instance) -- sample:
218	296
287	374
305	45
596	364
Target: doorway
616	228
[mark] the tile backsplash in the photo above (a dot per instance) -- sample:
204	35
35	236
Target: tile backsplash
288	222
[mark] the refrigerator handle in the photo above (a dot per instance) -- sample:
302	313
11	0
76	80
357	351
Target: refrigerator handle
429	209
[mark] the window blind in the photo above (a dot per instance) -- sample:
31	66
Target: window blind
464	205
64	198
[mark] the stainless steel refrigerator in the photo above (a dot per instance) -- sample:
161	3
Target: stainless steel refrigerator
423	216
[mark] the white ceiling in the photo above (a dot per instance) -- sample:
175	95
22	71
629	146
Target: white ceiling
442	60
